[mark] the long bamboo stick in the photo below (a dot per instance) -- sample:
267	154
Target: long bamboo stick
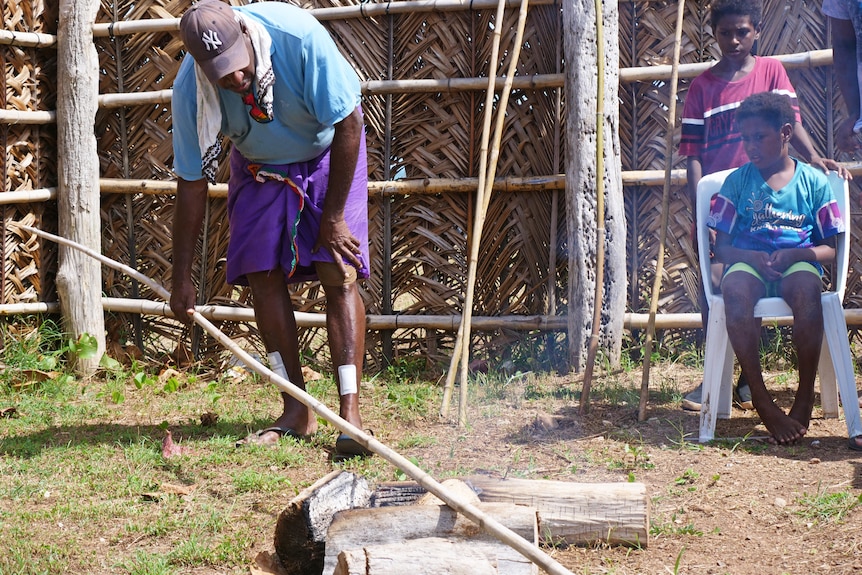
810	59
28	196
853	317
27	39
665	201
482	210
593	346
452	499
28	117
364	10
424	186
462	343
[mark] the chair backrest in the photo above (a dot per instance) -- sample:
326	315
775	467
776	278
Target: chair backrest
710	185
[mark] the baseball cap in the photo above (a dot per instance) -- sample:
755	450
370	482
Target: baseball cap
214	38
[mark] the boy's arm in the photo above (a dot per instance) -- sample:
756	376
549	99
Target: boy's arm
802	143
822	252
693	173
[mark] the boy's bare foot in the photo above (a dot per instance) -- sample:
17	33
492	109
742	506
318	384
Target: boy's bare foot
801	412
784	429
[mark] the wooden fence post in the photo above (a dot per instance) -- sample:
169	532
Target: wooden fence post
79	278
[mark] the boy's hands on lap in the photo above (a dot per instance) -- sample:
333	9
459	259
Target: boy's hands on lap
762	262
780	260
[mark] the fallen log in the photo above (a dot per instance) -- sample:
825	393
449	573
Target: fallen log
576	513
362	528
393	493
435	556
300	532
455	486
569	513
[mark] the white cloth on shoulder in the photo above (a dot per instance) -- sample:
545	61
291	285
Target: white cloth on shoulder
209	110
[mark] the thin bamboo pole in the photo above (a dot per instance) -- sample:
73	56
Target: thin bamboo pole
28	196
853	317
386	283
665	200
460	345
424	186
364	10
814	58
452	499
482	210
593	346
28	117
27	39
553	232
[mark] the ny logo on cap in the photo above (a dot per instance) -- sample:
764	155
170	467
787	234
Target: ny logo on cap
211	40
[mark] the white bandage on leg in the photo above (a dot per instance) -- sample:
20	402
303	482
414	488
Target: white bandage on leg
277	365
347	379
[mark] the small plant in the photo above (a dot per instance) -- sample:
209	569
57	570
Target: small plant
826	507
688	477
406	369
400	475
678	561
41	348
681	440
639	457
674	527
410	399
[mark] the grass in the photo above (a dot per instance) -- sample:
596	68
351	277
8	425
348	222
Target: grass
84	486
825	507
84	459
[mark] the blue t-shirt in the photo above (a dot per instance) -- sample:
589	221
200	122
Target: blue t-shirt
315	88
759	218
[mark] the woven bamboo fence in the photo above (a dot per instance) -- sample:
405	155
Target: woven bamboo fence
424	68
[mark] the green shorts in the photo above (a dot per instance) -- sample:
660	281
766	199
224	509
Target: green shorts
772	288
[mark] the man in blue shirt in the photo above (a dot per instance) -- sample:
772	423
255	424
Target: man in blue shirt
269	78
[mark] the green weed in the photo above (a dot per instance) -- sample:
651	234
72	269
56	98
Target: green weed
825	507
673	527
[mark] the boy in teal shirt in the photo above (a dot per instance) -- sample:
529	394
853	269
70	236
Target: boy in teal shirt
775	220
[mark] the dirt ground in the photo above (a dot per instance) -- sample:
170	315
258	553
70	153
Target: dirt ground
738	506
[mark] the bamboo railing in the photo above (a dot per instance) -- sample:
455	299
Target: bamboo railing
137	49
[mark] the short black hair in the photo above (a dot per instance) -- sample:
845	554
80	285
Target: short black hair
751	8
774	109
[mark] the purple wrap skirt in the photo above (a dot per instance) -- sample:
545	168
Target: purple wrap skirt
274	213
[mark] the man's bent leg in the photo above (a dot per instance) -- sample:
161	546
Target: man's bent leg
273	312
345	328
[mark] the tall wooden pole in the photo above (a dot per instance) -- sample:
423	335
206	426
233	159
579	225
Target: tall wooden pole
79	278
593	345
582	136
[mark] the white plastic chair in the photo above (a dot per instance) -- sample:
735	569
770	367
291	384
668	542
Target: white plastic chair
836	364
